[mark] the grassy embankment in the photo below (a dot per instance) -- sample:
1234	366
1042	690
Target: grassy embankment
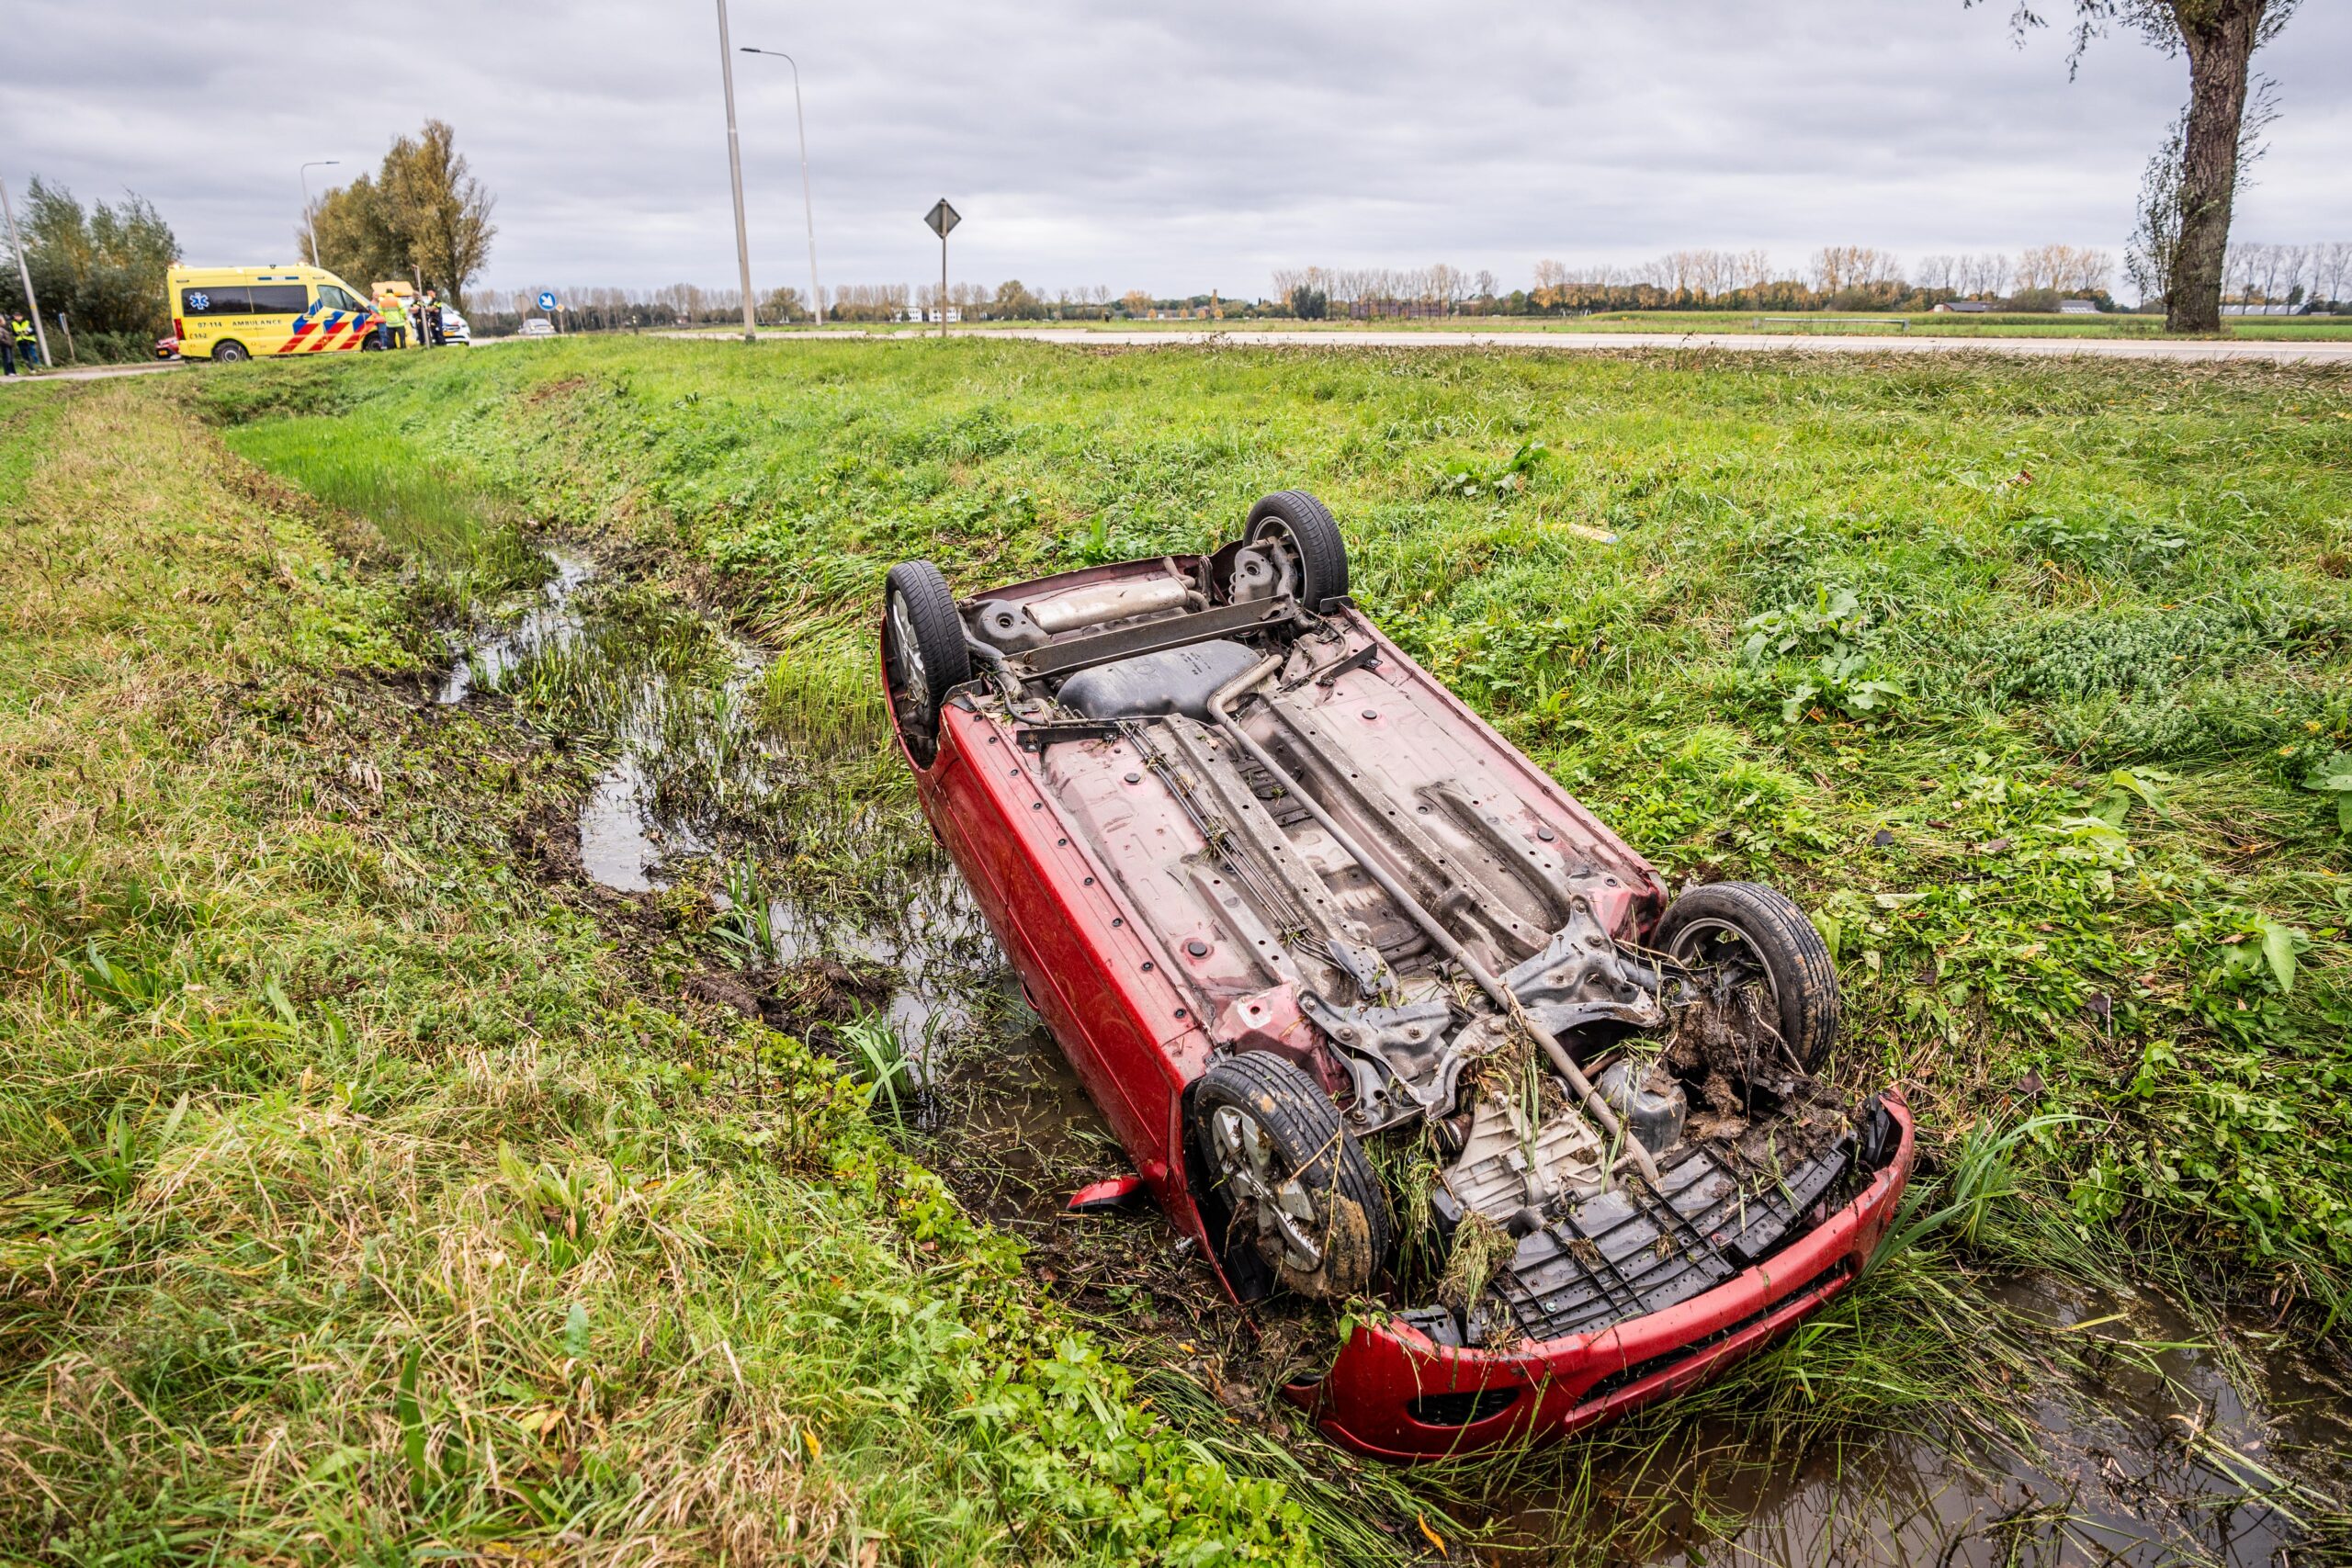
2030	680
2031	623
360	1201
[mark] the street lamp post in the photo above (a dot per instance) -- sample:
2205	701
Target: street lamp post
24	273
310	222
735	171
808	204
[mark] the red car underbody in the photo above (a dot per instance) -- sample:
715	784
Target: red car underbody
1142	1005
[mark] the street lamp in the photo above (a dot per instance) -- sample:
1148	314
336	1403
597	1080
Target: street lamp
309	221
735	170
808	205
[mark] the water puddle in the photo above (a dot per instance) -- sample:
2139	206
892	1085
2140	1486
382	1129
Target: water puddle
547	622
2151	1461
622	842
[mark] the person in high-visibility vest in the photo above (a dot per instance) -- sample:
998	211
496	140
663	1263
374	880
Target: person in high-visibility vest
20	327
395	320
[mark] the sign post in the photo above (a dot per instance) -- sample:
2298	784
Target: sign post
942	217
548	303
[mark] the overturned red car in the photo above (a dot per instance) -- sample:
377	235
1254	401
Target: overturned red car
1381	1013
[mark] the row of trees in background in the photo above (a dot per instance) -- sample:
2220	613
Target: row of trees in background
1835	277
422	216
2264	275
101	267
1846	277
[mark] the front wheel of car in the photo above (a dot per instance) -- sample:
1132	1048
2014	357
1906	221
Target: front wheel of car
229	353
1747	936
924	655
1294	1180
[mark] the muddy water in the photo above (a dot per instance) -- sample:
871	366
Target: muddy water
2166	1461
2174	1452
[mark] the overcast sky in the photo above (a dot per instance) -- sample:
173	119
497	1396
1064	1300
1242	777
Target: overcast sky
1172	148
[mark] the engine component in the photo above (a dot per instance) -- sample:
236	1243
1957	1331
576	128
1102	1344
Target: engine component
1511	1170
1650	1103
1178	680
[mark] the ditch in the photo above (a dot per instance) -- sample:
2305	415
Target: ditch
753	797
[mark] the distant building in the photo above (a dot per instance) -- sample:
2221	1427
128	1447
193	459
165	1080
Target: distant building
1963	307
2078	307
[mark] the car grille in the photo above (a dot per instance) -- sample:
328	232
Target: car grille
1635	1250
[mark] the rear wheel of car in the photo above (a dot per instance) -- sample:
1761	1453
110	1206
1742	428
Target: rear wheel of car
1305	523
1295	1180
229	353
922	652
1751	936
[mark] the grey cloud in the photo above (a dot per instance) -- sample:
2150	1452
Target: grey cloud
1171	150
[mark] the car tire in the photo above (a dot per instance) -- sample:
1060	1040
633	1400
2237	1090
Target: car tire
229	351
1272	1142
1711	925
1313	535
924	655
371	344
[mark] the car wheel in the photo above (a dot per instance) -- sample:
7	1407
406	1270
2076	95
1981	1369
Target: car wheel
1297	519
1294	1180
229	352
1755	936
370	344
922	652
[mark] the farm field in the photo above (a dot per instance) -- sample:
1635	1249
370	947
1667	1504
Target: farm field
2284	329
385	1181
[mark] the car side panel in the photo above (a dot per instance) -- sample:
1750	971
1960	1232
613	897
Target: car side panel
1098	980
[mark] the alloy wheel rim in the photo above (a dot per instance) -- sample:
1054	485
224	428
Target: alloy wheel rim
906	653
1249	1164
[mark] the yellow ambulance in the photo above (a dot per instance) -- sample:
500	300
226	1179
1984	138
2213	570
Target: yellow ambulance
226	313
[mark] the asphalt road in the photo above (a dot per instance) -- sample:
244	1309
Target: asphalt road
88	372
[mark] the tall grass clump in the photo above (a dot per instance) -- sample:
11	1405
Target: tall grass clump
424	514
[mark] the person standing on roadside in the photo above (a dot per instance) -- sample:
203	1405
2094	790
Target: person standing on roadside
20	327
7	351
426	313
395	327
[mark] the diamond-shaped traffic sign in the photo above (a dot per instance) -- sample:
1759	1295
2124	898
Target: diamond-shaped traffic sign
942	217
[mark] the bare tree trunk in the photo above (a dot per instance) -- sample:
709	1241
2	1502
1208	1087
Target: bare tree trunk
2220	36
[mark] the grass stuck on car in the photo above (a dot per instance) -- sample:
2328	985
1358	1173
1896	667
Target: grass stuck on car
1382	1015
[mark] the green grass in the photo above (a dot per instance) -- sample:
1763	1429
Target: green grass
2013	673
360	1200
303	1036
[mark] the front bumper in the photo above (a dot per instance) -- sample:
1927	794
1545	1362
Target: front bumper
1394	1392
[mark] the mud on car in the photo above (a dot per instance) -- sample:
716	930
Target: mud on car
1380	1012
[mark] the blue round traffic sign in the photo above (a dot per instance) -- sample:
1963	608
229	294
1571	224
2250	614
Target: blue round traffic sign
546	298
